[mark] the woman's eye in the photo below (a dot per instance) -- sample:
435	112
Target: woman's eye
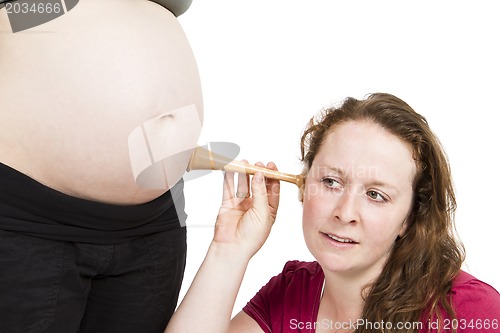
374	195
330	182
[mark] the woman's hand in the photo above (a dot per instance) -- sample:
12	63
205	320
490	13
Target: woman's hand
244	222
243	225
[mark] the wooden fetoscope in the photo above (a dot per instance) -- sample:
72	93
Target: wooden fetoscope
204	159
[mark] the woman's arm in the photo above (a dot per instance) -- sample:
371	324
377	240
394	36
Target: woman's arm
243	323
242	226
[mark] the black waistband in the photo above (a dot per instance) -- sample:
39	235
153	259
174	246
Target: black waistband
30	207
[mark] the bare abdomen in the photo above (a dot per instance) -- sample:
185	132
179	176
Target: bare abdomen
74	88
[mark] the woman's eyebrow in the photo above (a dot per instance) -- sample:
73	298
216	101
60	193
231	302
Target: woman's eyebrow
336	170
379	183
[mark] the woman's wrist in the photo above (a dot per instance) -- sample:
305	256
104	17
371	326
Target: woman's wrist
234	254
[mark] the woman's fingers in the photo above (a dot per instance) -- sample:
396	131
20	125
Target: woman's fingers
259	191
243	191
259	194
273	189
228	187
235	193
247	221
265	192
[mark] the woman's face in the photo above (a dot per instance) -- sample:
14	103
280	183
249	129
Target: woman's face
357	197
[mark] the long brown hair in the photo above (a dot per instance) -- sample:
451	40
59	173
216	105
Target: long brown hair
414	284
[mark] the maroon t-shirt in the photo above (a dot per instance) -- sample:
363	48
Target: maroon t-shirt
289	302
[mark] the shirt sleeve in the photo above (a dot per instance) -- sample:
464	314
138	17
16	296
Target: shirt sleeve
477	307
263	306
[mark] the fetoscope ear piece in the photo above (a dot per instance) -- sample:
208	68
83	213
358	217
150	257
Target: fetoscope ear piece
301	189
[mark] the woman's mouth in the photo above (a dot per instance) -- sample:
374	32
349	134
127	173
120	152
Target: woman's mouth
340	241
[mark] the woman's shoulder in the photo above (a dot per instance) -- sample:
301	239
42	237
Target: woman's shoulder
292	278
467	286
303	268
474	299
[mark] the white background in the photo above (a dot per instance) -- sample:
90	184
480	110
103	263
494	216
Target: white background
267	66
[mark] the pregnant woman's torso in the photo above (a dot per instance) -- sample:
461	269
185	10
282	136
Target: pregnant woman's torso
73	89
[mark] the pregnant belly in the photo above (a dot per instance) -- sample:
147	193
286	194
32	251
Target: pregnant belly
75	88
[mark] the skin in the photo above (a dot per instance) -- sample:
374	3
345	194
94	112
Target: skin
242	227
359	187
156	164
74	89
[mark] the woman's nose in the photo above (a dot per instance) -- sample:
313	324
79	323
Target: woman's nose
346	209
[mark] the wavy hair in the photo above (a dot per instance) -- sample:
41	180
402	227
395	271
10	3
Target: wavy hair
416	280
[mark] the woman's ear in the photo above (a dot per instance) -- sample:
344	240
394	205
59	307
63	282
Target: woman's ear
404	226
